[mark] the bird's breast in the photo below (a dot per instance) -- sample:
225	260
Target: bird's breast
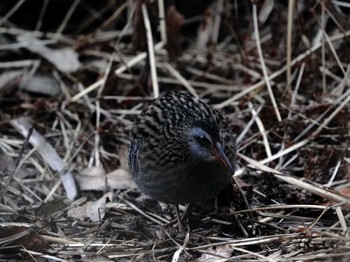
182	182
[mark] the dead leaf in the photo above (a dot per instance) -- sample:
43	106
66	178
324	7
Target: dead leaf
41	84
213	253
96	179
94	210
64	59
50	207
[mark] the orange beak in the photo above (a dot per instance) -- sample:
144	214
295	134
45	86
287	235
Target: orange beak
218	152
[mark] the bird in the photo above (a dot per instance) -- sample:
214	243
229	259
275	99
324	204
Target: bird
182	150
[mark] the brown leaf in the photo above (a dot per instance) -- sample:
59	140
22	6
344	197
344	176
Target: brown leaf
174	21
16	237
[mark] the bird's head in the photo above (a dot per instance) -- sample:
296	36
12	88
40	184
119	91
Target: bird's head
206	147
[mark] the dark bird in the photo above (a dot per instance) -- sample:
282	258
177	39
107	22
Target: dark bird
182	150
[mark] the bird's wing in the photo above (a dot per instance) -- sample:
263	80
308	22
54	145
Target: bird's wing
133	156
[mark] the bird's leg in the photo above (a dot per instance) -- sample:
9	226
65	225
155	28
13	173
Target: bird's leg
187	208
216	205
242	193
179	218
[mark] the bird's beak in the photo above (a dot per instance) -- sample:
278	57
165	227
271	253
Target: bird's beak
218	152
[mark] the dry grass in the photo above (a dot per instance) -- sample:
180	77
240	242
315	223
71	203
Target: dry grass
74	76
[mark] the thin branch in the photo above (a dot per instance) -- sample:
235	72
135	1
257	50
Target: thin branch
289	41
261	57
152	60
162	24
67	17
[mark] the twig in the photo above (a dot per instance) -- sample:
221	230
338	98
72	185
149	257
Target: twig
212	87
262	130
49	154
37	34
342	220
181	248
162	24
17	161
323	51
66	18
41	15
114	16
335	171
330	118
181	79
11	12
279	72
87	90
19	63
152	60
315	189
255	254
331	47
261	57
140	211
294	96
289	41
247	127
97	140
217	22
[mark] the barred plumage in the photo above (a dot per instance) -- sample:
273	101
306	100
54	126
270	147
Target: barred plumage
182	150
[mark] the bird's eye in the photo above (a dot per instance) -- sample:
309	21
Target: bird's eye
203	140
